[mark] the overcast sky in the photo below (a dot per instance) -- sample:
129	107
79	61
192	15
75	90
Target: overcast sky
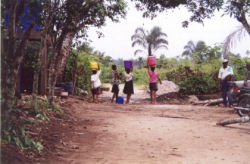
117	43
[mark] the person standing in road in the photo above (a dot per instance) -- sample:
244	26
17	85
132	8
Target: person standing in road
116	79
153	77
95	84
129	86
225	75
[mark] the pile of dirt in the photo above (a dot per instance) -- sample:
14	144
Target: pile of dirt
173	98
167	87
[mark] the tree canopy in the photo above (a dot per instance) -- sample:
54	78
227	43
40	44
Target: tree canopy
202	9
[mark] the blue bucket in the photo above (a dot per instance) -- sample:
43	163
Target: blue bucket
69	87
119	100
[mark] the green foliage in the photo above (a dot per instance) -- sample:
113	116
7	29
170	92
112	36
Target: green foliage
140	76
31	54
193	85
199	10
197	73
42	116
20	120
77	69
239	67
14	132
41	104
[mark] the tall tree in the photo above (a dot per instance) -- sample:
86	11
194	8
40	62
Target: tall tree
200	10
190	48
15	42
152	40
72	19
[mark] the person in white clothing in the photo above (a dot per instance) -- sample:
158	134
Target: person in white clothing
95	84
128	87
225	75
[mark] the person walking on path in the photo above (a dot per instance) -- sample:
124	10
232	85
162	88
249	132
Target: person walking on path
129	86
153	76
116	79
225	75
95	84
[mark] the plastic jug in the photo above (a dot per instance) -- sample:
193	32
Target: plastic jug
119	100
151	61
128	64
93	65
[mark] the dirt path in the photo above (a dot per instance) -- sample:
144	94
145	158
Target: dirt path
174	134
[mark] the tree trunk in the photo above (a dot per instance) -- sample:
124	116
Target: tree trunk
43	48
44	67
58	63
242	19
65	52
12	59
35	87
9	77
52	79
234	120
149	50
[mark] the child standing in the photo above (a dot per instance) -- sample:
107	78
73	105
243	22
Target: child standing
129	87
115	82
95	84
153	76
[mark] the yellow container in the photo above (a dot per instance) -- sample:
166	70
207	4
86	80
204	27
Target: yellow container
93	65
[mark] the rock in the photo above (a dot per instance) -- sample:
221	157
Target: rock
79	91
193	99
75	147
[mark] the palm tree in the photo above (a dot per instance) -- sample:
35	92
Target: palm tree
140	62
232	39
152	40
190	48
195	51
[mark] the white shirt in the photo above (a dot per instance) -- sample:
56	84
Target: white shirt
96	80
224	72
129	76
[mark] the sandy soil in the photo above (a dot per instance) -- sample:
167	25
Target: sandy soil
143	133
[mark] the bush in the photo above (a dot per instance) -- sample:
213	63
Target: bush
193	85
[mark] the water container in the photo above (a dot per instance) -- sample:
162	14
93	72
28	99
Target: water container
69	87
119	100
128	64
151	61
93	65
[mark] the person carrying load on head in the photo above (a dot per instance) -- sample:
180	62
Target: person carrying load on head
153	77
95	83
129	86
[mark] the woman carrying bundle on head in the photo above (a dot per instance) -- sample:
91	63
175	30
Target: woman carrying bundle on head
95	81
153	76
129	86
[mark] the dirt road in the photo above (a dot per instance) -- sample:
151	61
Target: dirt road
174	134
